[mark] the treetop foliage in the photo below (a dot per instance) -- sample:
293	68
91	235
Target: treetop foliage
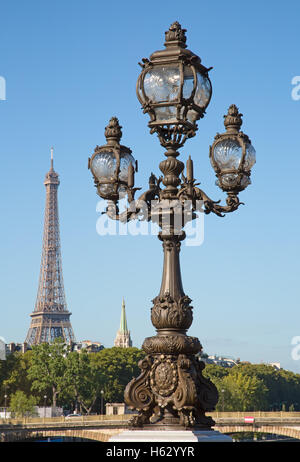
86	381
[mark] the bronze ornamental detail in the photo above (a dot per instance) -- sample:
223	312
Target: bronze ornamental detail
171	390
169	313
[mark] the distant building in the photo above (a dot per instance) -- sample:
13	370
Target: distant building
117	409
88	346
2	350
219	360
123	339
48	411
229	362
275	365
13	347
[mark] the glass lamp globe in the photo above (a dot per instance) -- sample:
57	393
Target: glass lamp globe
174	87
234	170
163	89
112	165
104	167
232	155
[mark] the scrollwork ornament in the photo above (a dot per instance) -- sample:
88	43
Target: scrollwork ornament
138	394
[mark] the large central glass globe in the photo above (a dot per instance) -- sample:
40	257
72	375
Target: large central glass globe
162	84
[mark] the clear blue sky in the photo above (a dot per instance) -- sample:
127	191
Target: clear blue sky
71	65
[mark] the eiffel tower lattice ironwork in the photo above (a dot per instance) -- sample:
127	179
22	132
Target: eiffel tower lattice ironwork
50	318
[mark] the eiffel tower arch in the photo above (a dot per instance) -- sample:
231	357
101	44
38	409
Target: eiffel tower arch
50	318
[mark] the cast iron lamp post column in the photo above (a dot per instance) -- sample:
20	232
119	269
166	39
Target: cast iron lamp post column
174	89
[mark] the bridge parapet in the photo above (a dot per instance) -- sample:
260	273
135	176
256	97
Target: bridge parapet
240	415
100	429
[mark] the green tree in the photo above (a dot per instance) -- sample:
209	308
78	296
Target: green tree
240	387
117	366
247	393
21	404
283	385
6	368
48	367
17	378
214	372
83	379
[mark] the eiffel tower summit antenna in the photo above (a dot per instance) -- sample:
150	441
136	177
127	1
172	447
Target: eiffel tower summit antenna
51	158
50	318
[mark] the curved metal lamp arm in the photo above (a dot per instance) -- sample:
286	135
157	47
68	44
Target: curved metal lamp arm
139	209
202	203
112	211
232	202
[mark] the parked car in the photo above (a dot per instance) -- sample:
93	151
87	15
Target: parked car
73	416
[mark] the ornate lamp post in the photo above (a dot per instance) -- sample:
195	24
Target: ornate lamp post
174	89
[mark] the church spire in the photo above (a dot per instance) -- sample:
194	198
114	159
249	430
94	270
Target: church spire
123	321
123	339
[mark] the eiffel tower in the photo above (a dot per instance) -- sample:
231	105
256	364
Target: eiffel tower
50	318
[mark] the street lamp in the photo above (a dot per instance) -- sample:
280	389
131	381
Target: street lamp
102	392
45	398
175	90
223	391
5	405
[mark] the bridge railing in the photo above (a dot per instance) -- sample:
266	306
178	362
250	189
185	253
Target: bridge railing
63	419
124	417
255	414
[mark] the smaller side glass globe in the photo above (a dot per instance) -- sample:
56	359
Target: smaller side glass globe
233	171
227	155
103	167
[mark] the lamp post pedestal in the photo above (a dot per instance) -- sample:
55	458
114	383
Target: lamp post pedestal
170	436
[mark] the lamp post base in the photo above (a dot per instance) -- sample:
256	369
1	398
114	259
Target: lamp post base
170	436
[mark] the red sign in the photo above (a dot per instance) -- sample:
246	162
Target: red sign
249	419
